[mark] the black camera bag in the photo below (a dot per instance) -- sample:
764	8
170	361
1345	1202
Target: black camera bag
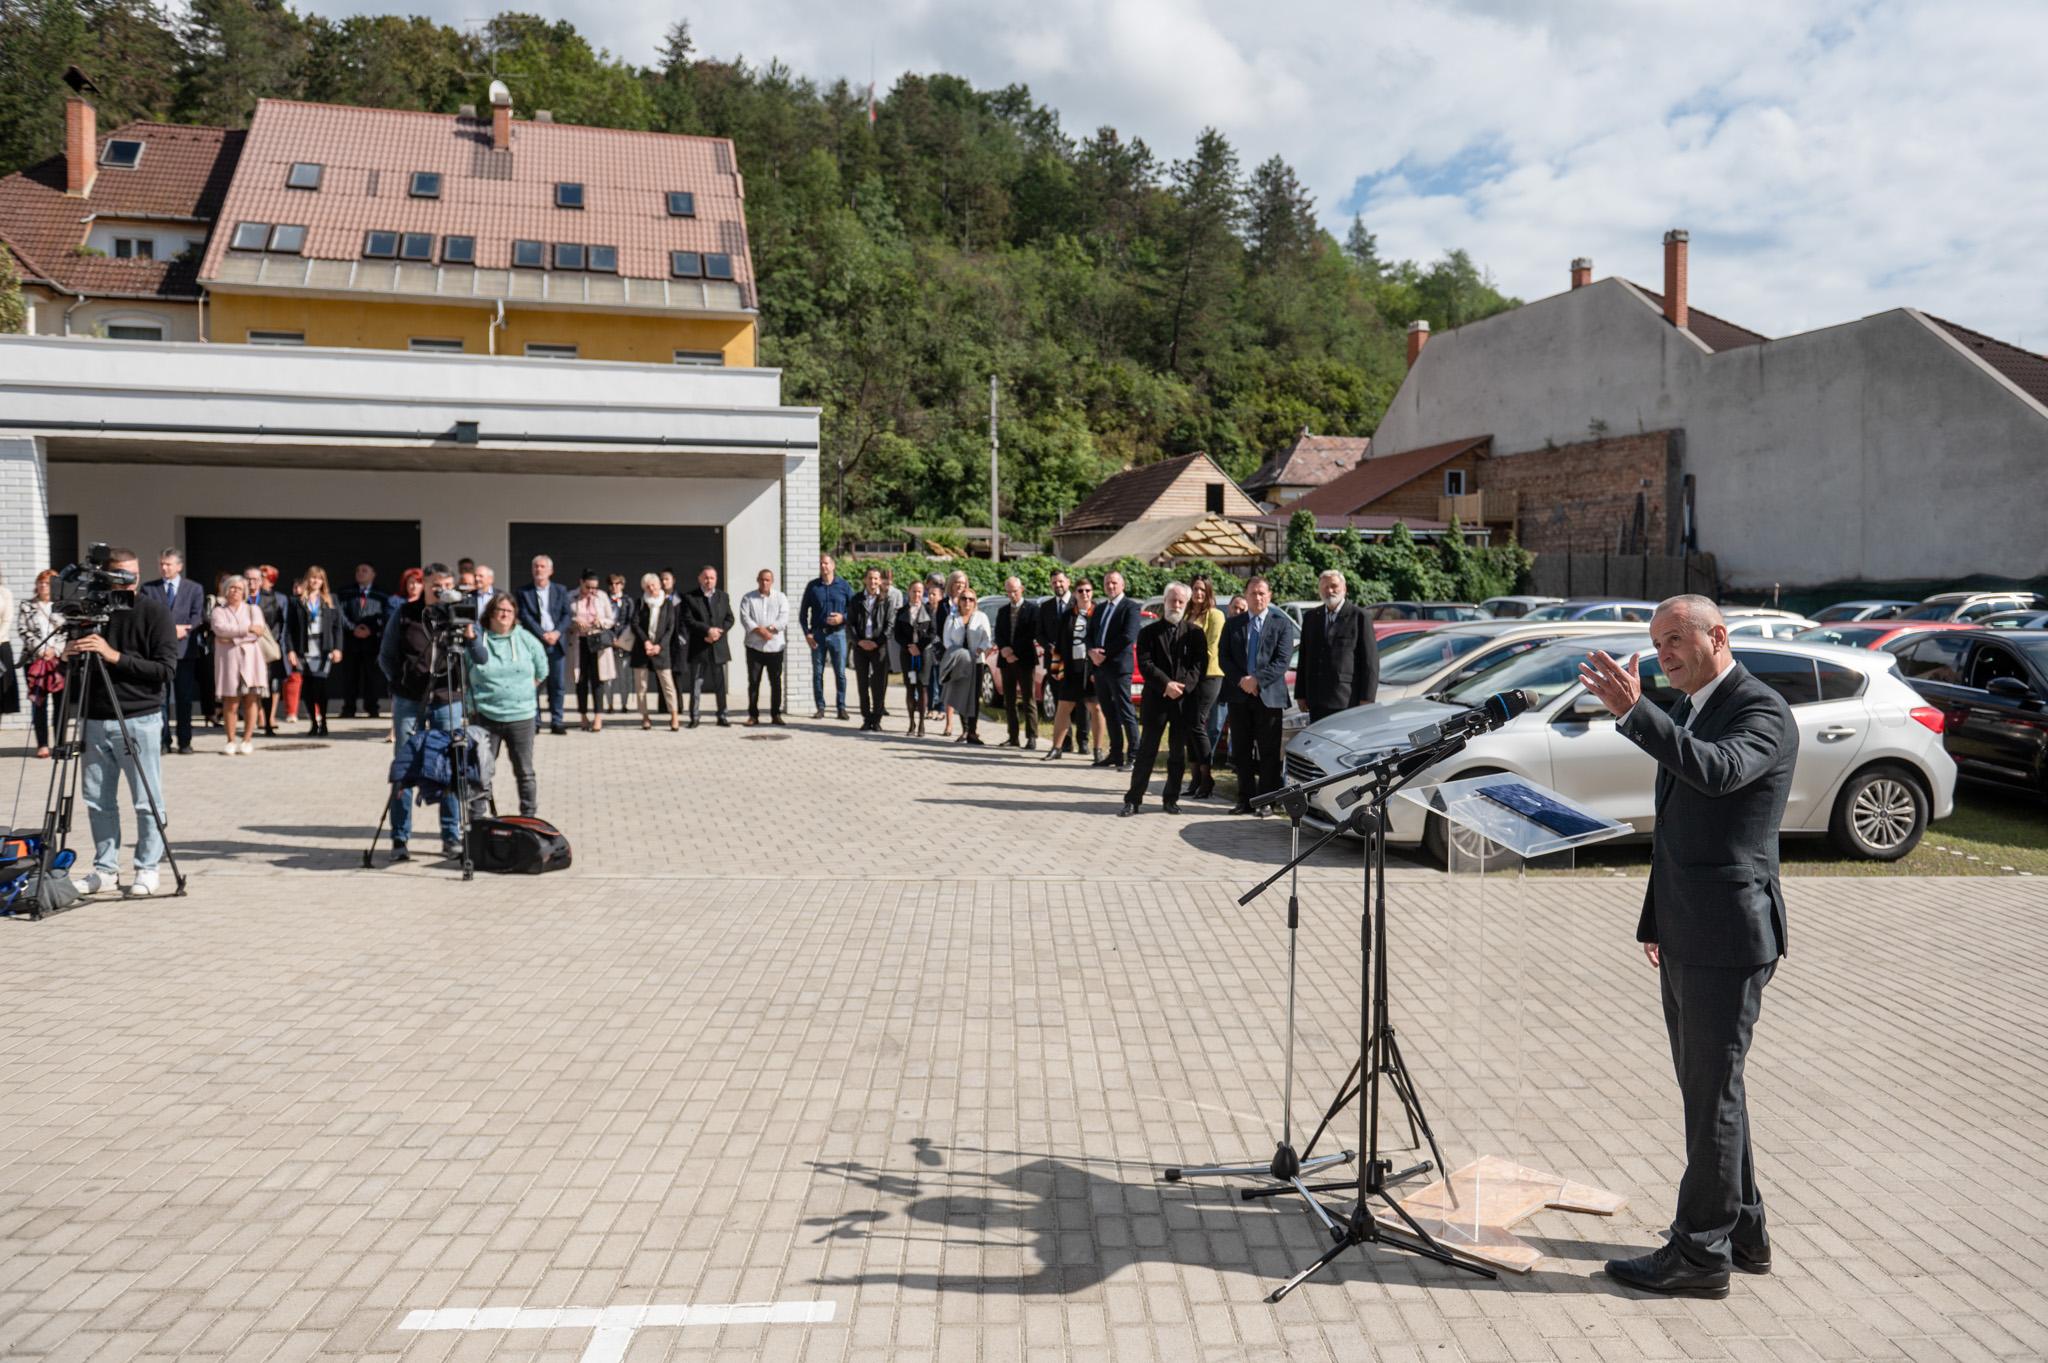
516	845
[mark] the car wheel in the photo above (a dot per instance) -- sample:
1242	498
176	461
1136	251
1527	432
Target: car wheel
1439	837
1879	815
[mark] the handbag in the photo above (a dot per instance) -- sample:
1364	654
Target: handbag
266	641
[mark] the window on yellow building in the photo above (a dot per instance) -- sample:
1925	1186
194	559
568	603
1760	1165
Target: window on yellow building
568	256
718	267
289	238
426	184
682	204
604	259
416	246
541	350
380	245
458	250
304	175
250	236
710	359
529	255
437	345
686	264
568	196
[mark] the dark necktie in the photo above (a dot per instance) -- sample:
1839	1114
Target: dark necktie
1682	712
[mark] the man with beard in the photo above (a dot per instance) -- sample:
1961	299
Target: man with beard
1172	654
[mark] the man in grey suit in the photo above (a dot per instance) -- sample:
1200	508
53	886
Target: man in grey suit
1713	921
1254	653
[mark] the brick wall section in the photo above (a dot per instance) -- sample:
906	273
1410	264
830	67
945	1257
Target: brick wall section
1577	495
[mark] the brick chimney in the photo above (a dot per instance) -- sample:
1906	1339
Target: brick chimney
81	145
1582	272
501	117
1674	276
1418	337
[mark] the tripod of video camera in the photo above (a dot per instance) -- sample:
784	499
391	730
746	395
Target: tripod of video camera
451	622
86	597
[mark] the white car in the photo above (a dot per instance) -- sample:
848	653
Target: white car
1872	772
1426	663
1515	607
1765	624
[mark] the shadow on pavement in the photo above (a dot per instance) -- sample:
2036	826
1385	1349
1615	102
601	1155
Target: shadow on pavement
1083	1222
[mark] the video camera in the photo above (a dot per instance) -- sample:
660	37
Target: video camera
448	610
86	595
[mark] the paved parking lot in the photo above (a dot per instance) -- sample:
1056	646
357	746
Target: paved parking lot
895	1038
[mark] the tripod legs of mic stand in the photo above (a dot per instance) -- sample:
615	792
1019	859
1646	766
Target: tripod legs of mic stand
1286	1168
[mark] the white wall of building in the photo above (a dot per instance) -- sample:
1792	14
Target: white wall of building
180	321
1873	451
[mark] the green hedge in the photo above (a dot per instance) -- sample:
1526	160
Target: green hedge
1140	579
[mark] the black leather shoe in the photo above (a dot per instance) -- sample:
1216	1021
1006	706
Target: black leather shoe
1753	1260
1100	762
558	728
1241	807
693	724
1128	810
1170	807
724	723
843	714
1009	742
1666	1271
1031	746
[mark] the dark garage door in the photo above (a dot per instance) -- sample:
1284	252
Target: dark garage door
627	549
216	545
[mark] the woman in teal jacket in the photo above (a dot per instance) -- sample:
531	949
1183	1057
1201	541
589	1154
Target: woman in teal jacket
506	664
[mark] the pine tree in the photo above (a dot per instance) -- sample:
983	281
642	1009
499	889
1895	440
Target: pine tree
1282	220
1364	249
1203	253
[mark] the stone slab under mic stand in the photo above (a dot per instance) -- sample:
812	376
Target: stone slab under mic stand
1475	1210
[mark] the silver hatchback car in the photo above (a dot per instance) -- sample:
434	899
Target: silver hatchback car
1872	772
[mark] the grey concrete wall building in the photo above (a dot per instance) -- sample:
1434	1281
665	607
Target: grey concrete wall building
1896	448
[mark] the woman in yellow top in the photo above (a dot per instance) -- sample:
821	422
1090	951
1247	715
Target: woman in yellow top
1201	742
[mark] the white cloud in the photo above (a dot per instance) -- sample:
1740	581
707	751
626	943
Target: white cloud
1832	158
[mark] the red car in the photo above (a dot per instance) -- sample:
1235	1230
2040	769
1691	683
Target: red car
1875	633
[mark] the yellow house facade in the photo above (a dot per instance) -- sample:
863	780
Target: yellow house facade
379	229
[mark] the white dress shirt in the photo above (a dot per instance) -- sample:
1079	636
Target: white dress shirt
1704	694
759	608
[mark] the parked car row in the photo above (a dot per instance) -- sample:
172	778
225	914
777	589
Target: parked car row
1872	769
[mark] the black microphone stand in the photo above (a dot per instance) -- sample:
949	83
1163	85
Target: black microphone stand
1380	1055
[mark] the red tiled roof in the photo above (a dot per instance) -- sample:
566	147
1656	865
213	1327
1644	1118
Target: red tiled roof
497	197
183	174
2027	371
1311	461
1351	493
1716	333
1127	495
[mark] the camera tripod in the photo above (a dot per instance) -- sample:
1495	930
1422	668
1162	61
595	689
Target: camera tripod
82	673
448	669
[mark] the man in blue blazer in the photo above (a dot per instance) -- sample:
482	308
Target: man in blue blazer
185	601
544	610
1113	650
1713	921
1254	653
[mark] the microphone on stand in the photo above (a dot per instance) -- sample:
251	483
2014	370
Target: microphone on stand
1480	719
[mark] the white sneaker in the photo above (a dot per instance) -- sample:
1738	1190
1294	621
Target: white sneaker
144	884
231	751
92	882
247	747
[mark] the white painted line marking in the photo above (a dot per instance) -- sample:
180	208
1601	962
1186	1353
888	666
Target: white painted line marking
613	1326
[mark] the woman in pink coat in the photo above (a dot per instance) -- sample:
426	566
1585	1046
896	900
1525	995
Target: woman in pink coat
591	656
241	674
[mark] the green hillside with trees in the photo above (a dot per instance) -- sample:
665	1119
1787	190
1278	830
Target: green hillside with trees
1134	304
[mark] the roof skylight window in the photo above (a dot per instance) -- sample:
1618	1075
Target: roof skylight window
304	175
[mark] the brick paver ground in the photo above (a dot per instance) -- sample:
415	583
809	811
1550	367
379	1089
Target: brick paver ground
911	1030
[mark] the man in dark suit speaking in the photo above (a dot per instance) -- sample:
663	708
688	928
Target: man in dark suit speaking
1713	921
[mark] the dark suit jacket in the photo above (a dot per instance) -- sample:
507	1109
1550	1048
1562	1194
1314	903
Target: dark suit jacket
1054	620
857	628
1714	897
1276	649
1122	626
700	614
187	608
1017	629
657	625
1171	653
298	630
558	612
356	610
1340	666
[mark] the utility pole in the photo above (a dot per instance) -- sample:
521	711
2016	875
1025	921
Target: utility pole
839	539
995	528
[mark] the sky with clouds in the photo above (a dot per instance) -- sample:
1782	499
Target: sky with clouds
1831	158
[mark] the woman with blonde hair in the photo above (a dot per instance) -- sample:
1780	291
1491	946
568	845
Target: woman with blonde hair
314	631
241	676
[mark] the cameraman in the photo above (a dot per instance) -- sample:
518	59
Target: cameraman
140	649
425	689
